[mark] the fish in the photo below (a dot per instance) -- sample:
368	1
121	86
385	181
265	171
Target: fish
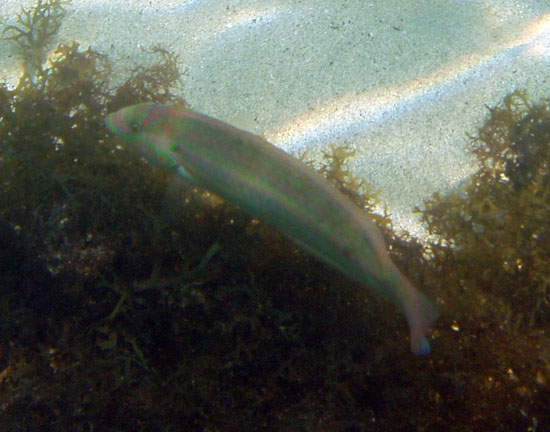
275	187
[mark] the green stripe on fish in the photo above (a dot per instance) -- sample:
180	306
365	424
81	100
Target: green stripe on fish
268	183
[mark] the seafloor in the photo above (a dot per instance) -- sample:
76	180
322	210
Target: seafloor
402	83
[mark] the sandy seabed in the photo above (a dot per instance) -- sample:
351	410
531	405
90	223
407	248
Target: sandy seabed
402	83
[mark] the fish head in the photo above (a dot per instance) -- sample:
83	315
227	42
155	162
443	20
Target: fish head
143	129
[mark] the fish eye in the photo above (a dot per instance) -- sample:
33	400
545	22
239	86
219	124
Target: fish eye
135	127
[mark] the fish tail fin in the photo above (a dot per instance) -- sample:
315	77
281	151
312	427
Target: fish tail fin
419	311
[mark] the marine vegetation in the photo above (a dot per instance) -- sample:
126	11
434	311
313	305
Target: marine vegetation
108	307
491	264
129	304
495	232
34	31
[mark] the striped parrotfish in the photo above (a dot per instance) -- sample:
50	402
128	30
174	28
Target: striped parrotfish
268	183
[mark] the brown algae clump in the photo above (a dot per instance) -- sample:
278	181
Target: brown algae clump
34	31
495	232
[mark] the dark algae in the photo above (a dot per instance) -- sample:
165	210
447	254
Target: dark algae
115	317
491	265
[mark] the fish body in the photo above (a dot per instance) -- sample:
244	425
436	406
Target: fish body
268	183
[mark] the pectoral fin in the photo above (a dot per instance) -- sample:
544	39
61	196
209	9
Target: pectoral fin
181	171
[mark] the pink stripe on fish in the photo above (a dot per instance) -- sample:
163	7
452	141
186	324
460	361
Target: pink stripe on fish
157	111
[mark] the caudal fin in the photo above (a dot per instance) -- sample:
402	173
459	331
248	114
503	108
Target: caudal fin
420	314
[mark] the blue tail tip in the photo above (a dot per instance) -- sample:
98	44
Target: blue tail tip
421	347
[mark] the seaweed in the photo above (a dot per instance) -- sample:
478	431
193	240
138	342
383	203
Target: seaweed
498	225
490	266
159	81
111	308
34	31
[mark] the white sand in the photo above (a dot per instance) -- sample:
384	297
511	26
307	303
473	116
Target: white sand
403	85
